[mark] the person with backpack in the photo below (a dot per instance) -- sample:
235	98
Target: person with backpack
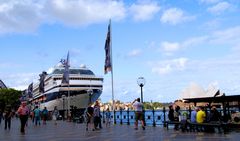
37	116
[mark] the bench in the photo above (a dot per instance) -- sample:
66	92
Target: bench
206	126
171	122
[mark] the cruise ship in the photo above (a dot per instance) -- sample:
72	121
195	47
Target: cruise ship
84	88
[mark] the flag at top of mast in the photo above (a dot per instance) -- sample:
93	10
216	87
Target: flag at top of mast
66	65
108	51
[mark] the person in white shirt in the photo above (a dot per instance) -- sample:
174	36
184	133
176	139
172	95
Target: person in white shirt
138	107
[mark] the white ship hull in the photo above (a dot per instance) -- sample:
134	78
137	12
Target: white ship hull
79	101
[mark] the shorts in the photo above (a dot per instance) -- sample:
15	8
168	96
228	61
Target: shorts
138	115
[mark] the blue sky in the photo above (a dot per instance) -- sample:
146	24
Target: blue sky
187	48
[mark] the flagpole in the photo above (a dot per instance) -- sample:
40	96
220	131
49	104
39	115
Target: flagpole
65	80
68	103
113	100
68	65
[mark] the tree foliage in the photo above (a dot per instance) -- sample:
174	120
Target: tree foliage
9	97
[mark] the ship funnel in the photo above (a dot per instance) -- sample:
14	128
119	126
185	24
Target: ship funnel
82	66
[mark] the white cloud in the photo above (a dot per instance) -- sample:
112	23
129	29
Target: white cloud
219	8
170	47
209	1
81	12
194	41
168	66
134	52
5	65
20	81
24	16
175	16
20	16
162	70
144	11
229	36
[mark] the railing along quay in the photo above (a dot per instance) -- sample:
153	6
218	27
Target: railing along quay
152	117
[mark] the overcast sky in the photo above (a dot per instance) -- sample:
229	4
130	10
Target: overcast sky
183	48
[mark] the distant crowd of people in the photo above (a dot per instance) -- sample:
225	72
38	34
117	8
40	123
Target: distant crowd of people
93	117
23	113
198	115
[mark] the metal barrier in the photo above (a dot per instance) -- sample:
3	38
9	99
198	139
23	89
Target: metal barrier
152	117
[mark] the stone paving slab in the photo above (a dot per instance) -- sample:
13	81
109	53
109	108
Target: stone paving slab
68	131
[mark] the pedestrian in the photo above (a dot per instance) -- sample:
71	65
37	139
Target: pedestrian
89	118
32	115
45	115
55	114
108	117
8	117
171	113
97	116
194	114
138	107
177	115
201	115
37	116
23	112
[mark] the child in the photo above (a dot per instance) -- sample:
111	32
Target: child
108	117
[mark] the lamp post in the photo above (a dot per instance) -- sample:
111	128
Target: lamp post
141	82
63	99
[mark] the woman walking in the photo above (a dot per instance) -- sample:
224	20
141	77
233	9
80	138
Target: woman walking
23	112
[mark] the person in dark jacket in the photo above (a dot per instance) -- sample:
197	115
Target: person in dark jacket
171	113
8	117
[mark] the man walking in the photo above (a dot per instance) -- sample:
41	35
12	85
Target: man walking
138	107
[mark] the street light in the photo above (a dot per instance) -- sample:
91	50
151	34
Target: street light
141	82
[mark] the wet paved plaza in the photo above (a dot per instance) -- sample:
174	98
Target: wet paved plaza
69	131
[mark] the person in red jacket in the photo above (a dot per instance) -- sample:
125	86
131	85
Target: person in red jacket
23	112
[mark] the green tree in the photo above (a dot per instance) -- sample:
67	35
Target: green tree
9	97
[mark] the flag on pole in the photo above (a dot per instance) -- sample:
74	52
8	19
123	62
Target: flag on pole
65	63
30	90
108	62
41	84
